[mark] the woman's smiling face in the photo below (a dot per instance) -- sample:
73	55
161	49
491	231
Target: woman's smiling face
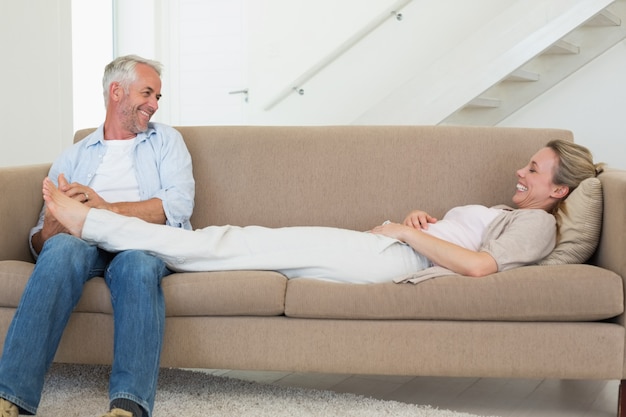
535	186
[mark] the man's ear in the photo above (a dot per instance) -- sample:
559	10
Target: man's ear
115	91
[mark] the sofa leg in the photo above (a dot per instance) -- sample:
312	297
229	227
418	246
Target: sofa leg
621	399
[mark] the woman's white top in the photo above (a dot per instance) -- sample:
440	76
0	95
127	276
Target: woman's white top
464	225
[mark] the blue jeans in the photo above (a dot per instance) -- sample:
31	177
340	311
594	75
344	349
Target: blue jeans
54	288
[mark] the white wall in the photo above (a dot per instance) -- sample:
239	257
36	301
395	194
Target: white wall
92	49
284	38
36	74
287	38
591	103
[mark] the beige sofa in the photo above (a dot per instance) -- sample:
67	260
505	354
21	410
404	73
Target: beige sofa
533	322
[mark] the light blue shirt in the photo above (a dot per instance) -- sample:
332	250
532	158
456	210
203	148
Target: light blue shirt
162	167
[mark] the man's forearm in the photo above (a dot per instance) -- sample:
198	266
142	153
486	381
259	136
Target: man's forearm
50	228
149	210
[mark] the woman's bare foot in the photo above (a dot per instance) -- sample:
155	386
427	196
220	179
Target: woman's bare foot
70	213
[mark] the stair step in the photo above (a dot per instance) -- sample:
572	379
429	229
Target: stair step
523	75
604	18
547	69
563	47
483	102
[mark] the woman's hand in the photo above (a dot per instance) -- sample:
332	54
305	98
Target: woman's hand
440	252
414	221
393	230
418	219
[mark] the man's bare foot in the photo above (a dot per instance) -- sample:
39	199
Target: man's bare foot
70	213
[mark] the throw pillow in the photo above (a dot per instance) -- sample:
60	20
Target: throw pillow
580	220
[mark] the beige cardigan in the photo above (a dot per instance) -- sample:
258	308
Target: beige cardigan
515	238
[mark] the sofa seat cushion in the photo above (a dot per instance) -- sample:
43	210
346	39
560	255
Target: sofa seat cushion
236	293
13	277
227	293
532	293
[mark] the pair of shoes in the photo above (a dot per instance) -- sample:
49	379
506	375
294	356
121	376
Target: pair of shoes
8	409
116	412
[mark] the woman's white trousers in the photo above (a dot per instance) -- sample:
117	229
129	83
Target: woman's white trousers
309	252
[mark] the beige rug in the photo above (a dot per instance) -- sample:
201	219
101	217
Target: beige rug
81	391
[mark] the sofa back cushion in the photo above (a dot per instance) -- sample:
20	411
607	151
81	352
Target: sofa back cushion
352	176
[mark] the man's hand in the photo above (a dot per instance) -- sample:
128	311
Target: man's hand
81	193
50	228
419	219
150	210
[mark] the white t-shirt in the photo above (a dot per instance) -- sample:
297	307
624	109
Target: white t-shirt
464	225
115	179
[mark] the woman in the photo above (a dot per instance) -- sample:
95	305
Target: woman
469	240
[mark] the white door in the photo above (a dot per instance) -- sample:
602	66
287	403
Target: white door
205	56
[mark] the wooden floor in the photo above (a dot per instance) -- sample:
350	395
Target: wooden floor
481	396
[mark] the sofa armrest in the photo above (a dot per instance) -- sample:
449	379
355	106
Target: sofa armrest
611	252
20	204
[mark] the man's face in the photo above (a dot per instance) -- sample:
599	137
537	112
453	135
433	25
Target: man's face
141	101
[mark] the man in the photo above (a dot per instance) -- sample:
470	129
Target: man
135	168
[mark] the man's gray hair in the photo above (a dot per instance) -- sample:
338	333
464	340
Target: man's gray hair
122	70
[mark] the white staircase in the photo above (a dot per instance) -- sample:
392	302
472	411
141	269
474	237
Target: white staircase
546	69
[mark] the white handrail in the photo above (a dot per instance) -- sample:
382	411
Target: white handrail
349	43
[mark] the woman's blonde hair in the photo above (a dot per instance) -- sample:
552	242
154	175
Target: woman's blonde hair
575	163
